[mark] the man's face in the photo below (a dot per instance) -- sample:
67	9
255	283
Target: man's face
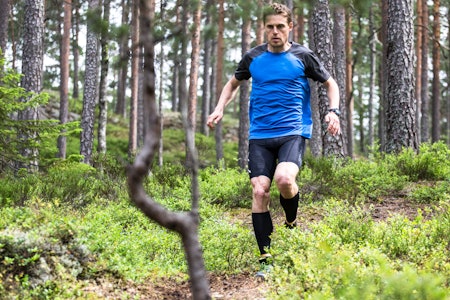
277	30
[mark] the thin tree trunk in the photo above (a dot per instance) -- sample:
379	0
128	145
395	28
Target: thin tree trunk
419	70
349	81
195	57
186	224
135	58
206	88
373	72
104	67
219	77
425	100
243	99
90	90
64	85
75	48
436	95
124	52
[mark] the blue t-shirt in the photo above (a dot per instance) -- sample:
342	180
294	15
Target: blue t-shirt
280	96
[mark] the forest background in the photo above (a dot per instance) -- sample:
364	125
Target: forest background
75	115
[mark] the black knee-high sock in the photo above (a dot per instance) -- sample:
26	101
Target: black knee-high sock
263	227
290	207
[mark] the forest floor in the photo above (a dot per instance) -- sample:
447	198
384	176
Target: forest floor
241	286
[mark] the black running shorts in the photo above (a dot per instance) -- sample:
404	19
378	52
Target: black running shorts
265	154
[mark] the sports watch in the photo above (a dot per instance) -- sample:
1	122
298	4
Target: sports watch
336	111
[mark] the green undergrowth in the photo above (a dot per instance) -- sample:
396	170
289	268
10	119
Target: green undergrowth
73	224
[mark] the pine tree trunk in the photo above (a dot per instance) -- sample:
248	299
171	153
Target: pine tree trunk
65	66
32	64
104	67
419	70
124	49
425	99
373	72
207	61
399	77
243	99
75	50
339	44
219	76
90	91
193	75
436	95
135	59
332	145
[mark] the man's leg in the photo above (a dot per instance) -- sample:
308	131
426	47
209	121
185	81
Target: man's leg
262	221
285	179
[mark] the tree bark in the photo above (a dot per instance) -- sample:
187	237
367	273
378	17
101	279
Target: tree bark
207	61
124	52
75	48
373	72
424	97
339	45
90	89
219	77
322	33
104	67
193	75
135	54
32	64
399	77
65	68
419	70
436	95
243	98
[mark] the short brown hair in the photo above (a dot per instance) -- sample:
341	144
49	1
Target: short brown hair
277	9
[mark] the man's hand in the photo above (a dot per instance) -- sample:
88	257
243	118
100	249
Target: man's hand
214	118
334	126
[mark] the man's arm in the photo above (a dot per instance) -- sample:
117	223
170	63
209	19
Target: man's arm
333	97
226	96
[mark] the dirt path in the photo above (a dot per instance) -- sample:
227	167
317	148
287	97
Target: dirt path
231	287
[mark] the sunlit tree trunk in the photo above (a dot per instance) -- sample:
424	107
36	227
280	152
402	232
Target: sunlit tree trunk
32	65
195	57
419	46
64	66
207	62
182	72
124	53
339	45
399	77
424	97
436	95
349	99
90	89
104	67
135	59
75	48
373	72
219	76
